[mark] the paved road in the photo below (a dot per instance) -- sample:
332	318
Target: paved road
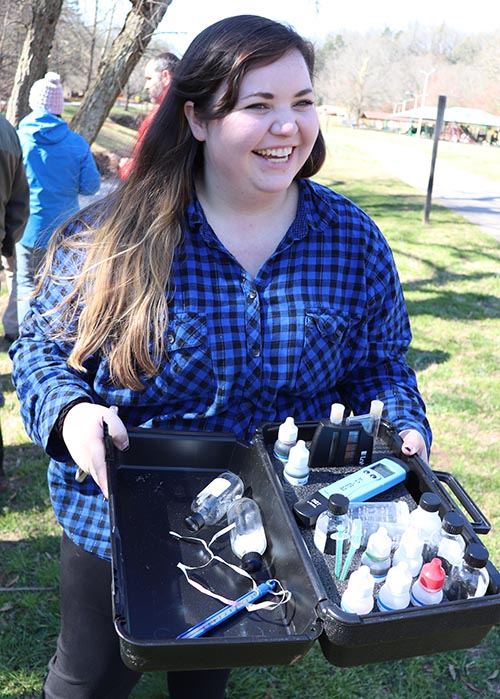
476	198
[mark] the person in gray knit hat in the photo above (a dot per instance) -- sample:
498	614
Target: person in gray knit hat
47	94
59	166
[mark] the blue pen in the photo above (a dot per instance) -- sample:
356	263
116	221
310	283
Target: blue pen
215	619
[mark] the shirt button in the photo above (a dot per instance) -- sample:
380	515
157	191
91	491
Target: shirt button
256	351
252	294
170	338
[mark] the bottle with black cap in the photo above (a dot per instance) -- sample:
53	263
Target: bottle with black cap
450	544
427	521
332	524
470	578
248	537
211	503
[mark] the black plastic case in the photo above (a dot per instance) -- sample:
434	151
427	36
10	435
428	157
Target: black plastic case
151	489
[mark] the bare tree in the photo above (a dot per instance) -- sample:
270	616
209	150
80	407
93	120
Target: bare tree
33	60
115	69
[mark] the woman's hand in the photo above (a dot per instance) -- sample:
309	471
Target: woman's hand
82	434
414	443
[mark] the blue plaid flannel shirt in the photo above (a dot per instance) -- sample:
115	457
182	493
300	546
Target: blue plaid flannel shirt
323	321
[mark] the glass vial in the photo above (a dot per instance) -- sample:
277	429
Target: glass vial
248	537
210	505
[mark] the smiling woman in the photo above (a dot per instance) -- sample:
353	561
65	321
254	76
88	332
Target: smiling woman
218	288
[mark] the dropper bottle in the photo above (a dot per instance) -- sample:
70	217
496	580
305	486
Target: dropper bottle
395	592
287	438
358	595
296	470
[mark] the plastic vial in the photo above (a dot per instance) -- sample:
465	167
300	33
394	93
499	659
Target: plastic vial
287	438
296	470
328	523
210	505
427	521
450	545
376	408
377	555
248	538
428	587
470	578
394	516
337	413
358	595
395	592
410	551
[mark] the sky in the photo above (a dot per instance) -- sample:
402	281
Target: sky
316	18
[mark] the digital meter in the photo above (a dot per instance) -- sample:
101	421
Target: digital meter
358	487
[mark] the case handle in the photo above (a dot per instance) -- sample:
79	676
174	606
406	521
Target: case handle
479	522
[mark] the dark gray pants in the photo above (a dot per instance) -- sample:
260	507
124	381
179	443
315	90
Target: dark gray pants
87	662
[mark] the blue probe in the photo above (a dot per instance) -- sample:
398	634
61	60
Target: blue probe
218	617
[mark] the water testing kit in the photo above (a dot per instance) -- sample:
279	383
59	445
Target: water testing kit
151	487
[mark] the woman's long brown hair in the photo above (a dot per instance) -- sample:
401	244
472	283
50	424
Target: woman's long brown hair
118	299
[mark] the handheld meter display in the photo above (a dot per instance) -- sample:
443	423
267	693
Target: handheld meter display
359	486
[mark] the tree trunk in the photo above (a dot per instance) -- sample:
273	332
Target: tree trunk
33	61
115	69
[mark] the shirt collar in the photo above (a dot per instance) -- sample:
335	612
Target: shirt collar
305	219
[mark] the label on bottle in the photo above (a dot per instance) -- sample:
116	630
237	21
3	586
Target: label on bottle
217	487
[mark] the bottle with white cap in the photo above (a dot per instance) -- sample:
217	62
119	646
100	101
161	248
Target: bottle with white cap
410	551
287	438
296	470
377	555
358	595
211	503
395	592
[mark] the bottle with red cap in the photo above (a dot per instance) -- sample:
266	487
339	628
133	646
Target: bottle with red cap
428	587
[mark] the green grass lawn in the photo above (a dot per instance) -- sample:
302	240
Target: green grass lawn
451	276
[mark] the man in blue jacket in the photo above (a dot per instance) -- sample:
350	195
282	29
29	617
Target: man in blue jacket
59	166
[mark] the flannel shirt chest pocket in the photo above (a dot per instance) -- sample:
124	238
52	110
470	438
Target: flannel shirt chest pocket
323	352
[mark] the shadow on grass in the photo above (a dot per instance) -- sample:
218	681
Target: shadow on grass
421	359
26	471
